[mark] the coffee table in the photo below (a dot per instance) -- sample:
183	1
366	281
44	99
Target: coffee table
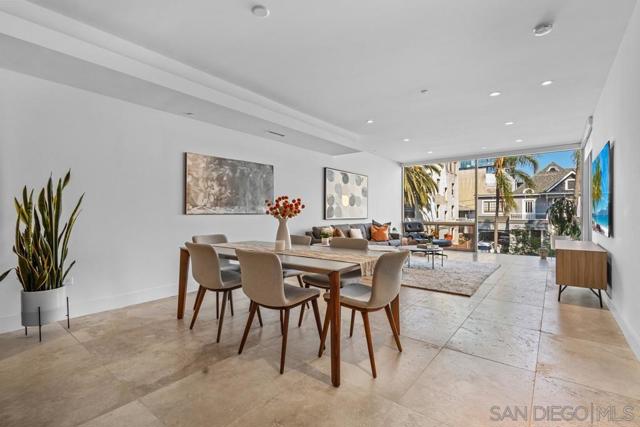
426	251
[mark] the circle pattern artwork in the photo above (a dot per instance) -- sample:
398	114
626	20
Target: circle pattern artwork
346	195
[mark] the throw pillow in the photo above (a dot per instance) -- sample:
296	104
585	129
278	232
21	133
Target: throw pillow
356	233
379	233
338	233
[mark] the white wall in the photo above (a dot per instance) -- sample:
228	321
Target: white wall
129	161
617	119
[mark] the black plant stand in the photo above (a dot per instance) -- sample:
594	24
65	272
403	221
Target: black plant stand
40	323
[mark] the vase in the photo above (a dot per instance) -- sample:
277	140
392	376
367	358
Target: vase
283	233
52	305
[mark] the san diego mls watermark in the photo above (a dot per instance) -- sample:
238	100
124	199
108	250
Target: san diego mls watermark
564	413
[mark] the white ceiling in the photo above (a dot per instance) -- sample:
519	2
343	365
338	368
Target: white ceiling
345	62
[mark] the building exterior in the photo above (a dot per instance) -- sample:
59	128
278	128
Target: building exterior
551	183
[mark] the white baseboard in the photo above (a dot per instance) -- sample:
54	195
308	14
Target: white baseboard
82	308
633	338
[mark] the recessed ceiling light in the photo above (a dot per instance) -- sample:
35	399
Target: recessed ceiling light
406	140
494	94
429	152
509	123
369	121
542	29
546	83
519	140
188	114
260	11
423	91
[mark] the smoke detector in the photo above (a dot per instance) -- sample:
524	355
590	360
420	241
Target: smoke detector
542	29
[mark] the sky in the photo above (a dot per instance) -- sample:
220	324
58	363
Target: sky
562	158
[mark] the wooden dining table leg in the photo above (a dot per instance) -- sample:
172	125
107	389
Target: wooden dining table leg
334	308
395	310
183	277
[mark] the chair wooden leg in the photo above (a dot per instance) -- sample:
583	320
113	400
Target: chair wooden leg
367	331
325	329
199	297
281	324
316	315
285	331
253	307
259	316
392	323
302	285
217	304
301	314
231	301
200	290
353	318
221	320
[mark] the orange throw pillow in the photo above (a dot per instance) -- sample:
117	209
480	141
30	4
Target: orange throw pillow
380	233
337	232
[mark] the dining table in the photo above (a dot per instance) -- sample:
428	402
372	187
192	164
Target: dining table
312	259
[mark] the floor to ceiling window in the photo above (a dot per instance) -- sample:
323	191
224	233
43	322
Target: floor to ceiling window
499	204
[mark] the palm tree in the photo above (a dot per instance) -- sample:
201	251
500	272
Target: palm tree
419	185
506	172
577	159
596	188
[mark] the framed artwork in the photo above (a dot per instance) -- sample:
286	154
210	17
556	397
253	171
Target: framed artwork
218	186
601	192
346	195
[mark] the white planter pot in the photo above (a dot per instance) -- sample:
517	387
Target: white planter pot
325	241
52	303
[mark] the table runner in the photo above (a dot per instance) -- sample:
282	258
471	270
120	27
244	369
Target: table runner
367	260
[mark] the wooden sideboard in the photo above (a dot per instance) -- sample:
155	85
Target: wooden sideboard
581	264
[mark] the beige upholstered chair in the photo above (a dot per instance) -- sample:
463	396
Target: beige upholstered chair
297	240
225	264
262	282
205	266
322	280
387	278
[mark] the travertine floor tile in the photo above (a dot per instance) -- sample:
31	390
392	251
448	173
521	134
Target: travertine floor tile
591	324
498	342
460	390
602	366
508	313
131	414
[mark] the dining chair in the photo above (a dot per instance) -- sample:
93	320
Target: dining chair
206	271
322	280
387	278
297	240
263	283
225	264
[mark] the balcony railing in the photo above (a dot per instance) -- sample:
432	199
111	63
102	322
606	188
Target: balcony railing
528	216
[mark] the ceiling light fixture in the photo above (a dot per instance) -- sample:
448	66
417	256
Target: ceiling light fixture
429	152
260	11
188	114
494	94
369	121
423	91
406	140
546	83
509	123
519	140
542	29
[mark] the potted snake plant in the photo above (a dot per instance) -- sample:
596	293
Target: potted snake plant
42	247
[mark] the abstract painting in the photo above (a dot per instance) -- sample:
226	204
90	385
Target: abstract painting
346	195
214	185
601	197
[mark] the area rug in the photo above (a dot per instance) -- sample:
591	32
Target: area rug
455	277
